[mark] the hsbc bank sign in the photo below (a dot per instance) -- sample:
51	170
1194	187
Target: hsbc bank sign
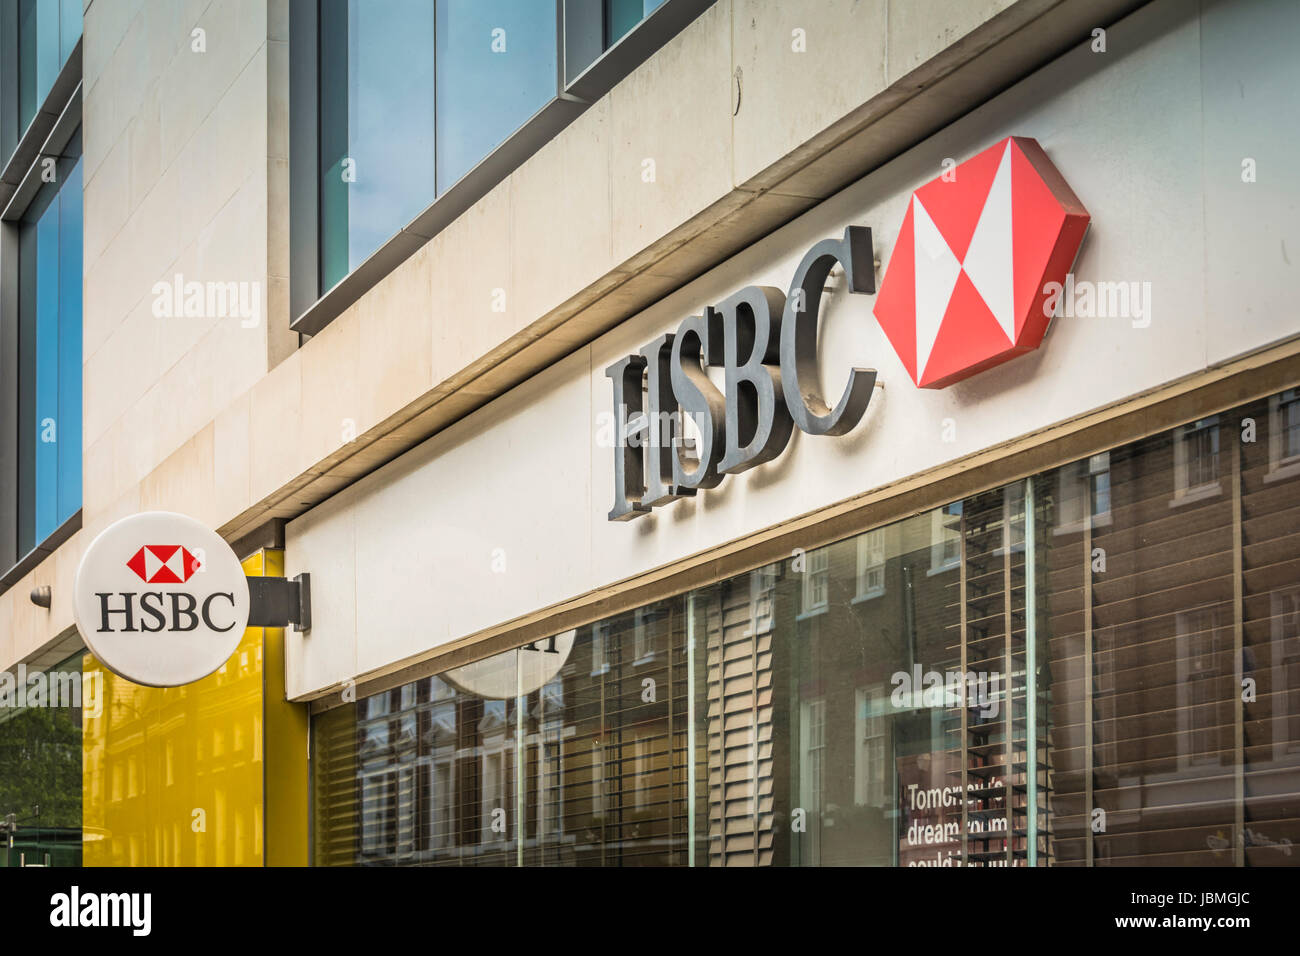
160	599
967	288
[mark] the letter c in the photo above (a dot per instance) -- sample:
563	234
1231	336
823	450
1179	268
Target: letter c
799	335
207	614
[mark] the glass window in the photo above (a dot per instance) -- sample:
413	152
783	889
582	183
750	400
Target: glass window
41	765
411	95
48	31
622	15
49	347
1038	689
376	128
496	66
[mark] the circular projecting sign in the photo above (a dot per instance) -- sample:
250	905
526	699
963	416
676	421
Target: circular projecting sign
160	599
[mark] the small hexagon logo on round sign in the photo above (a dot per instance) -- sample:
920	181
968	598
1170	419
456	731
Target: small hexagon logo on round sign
161	599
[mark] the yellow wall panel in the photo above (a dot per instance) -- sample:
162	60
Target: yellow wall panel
173	776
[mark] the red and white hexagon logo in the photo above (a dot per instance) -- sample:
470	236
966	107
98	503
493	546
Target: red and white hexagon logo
964	290
163	564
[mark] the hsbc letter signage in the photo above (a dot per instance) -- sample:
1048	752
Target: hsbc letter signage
968	287
161	599
765	343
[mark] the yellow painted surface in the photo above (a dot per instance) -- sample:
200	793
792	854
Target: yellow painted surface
287	792
174	776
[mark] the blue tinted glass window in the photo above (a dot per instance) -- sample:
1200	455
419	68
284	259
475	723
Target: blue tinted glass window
49	345
68	474
622	15
496	63
377	125
48	31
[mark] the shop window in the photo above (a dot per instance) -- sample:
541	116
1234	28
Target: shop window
1133	700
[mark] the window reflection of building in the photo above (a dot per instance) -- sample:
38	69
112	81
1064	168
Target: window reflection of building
871	564
1199	657
812	755
1083	490
492	731
1196	458
1136	635
816	581
873	775
945	538
1284	681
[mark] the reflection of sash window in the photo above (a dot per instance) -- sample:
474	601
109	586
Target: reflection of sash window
1285	635
812	752
1284	431
871	564
945	537
762	584
599	643
1197	671
1196	458
872	772
1083	488
816	581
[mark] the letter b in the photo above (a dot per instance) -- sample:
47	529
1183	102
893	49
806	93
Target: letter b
187	611
758	424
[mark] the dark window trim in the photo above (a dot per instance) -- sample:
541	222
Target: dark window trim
42	551
60	133
312	311
48	133
30	144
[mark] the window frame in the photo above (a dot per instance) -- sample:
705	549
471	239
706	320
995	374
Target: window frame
311	308
57	121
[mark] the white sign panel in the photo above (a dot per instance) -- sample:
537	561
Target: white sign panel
161	599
